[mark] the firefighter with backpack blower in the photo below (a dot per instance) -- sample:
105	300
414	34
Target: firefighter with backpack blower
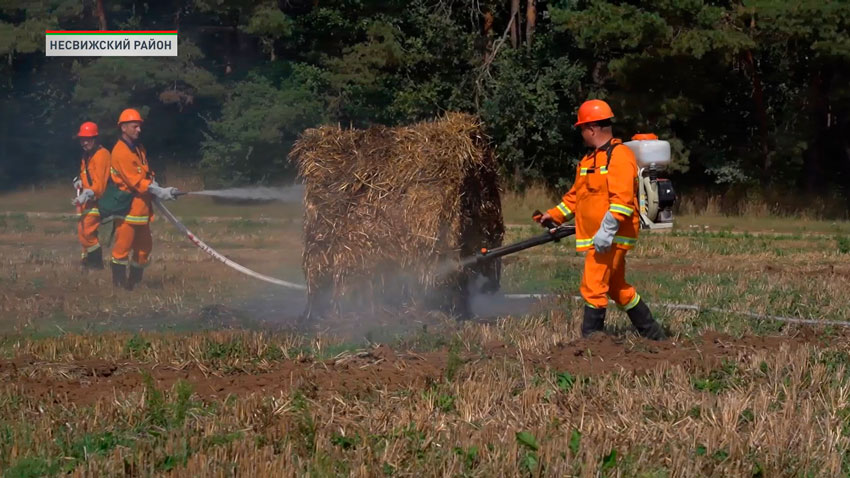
603	202
90	186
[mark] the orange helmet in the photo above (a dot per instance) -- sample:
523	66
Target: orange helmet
129	115
644	136
593	110
87	130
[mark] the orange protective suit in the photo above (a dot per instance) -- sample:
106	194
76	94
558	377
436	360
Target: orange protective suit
131	173
94	172
606	180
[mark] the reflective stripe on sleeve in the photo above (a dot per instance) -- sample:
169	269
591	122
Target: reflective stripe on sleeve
625	210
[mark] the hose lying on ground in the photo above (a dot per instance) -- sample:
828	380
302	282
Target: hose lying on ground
691	307
220	257
698	309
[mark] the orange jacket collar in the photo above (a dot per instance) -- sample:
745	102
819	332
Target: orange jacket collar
129	144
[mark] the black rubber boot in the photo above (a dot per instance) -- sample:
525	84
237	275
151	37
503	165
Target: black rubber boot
594	321
646	326
119	275
135	277
94	259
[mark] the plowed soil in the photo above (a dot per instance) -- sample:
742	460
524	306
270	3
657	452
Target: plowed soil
379	369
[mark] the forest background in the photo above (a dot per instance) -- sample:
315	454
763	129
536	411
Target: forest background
752	94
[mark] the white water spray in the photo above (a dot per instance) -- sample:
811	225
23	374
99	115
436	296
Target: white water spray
290	194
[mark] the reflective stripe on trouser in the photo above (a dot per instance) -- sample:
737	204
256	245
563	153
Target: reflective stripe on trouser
87	232
130	237
92	211
605	276
137	220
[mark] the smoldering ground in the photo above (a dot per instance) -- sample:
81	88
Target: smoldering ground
391	317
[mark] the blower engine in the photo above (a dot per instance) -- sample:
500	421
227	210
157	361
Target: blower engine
656	195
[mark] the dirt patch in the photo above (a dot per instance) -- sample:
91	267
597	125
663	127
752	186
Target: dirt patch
821	272
86	382
381	369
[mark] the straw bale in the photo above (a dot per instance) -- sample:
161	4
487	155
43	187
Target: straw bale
386	209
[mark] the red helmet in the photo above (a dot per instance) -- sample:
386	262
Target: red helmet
593	110
87	130
129	115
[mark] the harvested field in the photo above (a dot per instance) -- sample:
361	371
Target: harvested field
480	406
203	372
359	372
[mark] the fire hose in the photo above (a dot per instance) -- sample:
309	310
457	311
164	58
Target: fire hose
699	309
555	234
219	256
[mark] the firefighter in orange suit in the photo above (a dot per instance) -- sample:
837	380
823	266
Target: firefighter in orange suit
602	201
90	185
132	174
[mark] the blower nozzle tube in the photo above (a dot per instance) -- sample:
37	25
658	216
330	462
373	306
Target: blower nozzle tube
554	234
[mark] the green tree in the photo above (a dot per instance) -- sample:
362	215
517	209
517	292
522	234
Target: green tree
259	122
528	108
34	106
644	61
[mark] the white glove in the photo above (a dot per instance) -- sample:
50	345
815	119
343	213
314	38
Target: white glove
604	237
166	194
85	196
78	183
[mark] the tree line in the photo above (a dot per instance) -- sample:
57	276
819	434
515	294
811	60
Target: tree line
751	93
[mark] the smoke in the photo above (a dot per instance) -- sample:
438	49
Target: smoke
290	194
484	305
452	264
489	306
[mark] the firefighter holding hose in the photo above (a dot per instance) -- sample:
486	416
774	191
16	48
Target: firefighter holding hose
602	201
134	187
90	186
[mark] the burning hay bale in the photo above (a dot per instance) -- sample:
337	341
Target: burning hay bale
388	209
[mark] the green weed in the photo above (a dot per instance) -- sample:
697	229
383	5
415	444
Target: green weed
529	460
160	414
175	460
468	455
564	381
444	402
835	360
32	467
79	450
575	442
843	244
217	351
718	380
222	439
305	425
609	461
454	362
345	442
137	346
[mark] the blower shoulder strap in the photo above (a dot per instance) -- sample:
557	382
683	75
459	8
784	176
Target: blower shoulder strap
609	150
87	160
